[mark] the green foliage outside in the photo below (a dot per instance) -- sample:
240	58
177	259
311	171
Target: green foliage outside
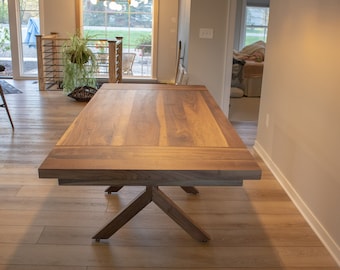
251	40
4	13
28	9
4	39
255	34
4	31
144	44
135	38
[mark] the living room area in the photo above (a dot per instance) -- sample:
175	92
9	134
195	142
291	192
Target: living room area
287	220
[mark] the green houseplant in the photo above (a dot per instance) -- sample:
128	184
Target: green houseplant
80	66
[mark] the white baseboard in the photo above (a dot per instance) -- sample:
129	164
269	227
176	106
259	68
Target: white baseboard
317	227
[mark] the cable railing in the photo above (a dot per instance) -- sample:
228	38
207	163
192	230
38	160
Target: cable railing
108	53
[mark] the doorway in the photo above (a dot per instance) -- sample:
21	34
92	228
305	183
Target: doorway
250	35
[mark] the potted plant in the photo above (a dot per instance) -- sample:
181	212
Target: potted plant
80	66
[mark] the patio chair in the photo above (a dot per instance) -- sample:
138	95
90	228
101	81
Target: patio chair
128	59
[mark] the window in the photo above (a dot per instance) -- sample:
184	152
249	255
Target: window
29	23
256	25
23	62
130	19
5	45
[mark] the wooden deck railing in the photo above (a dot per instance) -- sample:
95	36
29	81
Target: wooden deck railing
50	63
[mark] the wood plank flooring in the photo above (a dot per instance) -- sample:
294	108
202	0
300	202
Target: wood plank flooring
46	226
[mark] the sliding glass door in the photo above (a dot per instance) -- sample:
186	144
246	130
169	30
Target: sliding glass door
29	27
23	19
5	45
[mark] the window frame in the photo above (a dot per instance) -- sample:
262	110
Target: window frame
249	26
155	12
240	20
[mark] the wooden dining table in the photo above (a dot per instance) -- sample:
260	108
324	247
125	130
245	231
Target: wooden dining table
151	135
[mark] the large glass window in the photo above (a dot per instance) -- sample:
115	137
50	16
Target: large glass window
29	23
256	24
24	14
130	19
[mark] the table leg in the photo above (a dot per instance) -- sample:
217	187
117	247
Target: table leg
125	215
163	202
191	190
177	214
111	189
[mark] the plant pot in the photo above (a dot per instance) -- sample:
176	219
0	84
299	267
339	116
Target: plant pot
75	59
83	93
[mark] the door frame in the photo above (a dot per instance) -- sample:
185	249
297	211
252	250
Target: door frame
229	48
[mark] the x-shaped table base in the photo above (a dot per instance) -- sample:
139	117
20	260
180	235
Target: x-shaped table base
153	193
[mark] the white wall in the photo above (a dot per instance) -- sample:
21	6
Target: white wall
299	129
59	17
207	57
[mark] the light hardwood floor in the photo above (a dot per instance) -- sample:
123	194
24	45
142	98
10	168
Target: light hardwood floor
45	226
